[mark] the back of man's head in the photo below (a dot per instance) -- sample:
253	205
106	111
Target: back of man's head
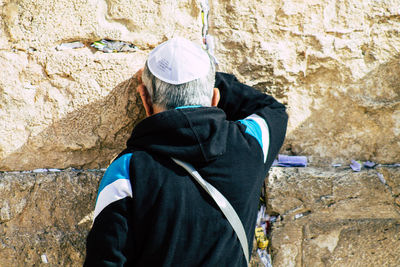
179	73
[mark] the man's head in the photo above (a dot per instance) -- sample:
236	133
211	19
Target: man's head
178	73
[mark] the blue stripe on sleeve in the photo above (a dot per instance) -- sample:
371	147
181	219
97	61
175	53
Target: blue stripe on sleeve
257	127
115	184
119	169
253	129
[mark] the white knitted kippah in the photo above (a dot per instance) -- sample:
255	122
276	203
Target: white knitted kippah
178	61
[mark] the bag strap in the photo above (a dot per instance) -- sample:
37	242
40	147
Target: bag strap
222	203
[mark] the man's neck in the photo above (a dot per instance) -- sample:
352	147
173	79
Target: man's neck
157	109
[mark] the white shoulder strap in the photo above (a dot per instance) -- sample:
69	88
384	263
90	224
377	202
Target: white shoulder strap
223	204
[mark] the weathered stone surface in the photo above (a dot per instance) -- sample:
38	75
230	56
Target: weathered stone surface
352	243
342	225
76	107
337	194
46	214
335	217
66	108
46	24
334	63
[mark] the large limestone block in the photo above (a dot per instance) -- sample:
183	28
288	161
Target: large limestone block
50	214
366	242
334	194
335	217
334	63
76	107
352	243
46	214
45	24
66	108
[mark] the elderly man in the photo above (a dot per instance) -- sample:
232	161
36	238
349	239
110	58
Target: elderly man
149	210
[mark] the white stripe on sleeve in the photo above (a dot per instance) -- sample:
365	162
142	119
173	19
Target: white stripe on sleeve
264	132
115	191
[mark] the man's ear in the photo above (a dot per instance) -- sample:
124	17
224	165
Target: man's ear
146	100
215	98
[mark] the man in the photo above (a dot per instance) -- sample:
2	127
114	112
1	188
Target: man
149	210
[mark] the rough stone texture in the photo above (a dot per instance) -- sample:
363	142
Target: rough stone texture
46	214
66	108
76	107
349	219
334	63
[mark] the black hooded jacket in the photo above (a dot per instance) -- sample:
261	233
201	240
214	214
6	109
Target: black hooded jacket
150	212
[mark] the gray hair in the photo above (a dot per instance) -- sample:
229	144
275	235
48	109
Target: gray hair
170	96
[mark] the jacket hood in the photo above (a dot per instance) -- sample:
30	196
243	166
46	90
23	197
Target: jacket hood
189	134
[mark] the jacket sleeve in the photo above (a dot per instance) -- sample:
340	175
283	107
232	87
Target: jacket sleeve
108	242
264	117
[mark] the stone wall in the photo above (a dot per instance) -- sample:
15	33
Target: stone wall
46	214
335	217
335	64
76	107
328	217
